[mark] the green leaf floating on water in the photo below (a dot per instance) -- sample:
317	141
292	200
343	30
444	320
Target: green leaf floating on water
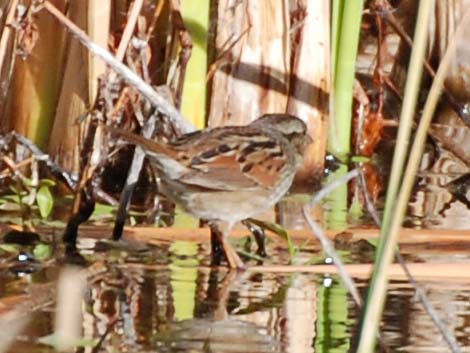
45	201
12	198
42	251
10	248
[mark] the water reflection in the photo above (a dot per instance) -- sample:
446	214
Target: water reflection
223	311
181	306
409	328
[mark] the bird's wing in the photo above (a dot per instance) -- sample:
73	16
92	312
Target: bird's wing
238	158
234	160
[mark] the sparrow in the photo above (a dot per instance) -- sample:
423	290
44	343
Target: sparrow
227	174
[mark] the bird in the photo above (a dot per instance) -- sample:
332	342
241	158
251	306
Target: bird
230	173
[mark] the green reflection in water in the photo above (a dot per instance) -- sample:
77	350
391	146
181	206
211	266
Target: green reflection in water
332	322
183	270
337	202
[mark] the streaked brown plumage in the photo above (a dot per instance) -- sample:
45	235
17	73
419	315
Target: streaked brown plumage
228	174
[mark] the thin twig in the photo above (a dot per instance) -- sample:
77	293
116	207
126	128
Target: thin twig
224	56
7	32
16	172
69	178
156	14
326	243
320	195
97	348
129	30
328	247
160	103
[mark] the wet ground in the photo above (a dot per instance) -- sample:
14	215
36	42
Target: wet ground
167	299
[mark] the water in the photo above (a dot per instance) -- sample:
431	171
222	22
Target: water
168	300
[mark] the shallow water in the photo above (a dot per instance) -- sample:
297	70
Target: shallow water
168	300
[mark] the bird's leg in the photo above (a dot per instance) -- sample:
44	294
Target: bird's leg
233	259
217	250
260	237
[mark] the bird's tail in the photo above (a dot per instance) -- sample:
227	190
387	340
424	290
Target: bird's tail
149	146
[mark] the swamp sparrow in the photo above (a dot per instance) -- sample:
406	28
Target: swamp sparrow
227	174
